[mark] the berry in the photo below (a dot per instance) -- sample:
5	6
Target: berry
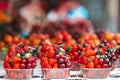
23	61
62	66
29	65
60	61
22	66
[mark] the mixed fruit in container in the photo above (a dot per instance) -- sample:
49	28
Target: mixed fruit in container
19	63
58	60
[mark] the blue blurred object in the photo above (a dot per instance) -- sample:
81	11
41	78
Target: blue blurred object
24	35
80	12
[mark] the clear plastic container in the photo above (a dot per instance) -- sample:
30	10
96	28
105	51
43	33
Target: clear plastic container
76	70
24	74
60	73
96	73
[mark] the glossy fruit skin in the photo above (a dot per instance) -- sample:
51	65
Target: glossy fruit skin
22	66
51	53
101	61
90	65
29	65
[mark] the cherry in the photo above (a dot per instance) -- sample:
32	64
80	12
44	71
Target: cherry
23	61
105	65
62	65
61	61
33	65
101	61
106	61
29	65
22	66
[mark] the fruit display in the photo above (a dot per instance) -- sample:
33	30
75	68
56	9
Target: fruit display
19	61
53	59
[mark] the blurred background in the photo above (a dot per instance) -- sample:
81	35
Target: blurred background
24	17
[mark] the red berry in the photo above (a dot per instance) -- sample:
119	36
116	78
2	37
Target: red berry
29	65
23	61
107	61
61	61
22	66
62	65
33	65
98	66
105	65
101	61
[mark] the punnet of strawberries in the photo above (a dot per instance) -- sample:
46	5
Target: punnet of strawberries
20	62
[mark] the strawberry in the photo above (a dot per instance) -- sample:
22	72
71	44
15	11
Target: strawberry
11	50
90	65
55	65
16	59
6	59
51	53
52	61
16	66
7	65
89	53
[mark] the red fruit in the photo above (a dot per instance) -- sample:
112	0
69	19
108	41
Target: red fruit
72	58
90	65
7	66
84	60
31	59
96	62
33	65
74	47
11	50
44	59
16	66
89	53
62	66
8	39
52	61
6	59
25	48
16	59
59	36
105	65
15	39
29	65
51	53
98	66
23	61
101	61
40	55
55	65
92	58
60	61
22	66
75	54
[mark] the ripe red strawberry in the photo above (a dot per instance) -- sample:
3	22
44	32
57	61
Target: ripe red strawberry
7	66
51	53
11	50
55	65
6	59
16	59
52	61
16	66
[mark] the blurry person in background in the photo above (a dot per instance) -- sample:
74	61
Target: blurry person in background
70	9
73	16
32	15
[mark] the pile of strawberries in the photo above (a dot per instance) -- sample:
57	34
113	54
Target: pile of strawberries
92	56
53	56
20	57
